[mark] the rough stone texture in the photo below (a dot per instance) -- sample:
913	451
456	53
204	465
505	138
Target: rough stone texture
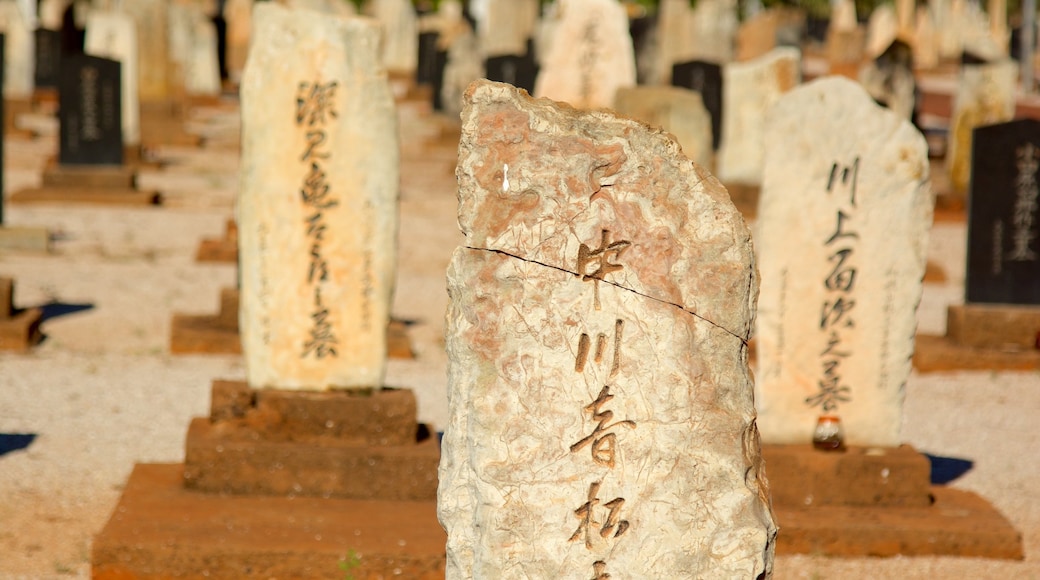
317	203
679	111
591	55
749	89
113	35
803	477
985	96
996	326
836	315
160	530
664	297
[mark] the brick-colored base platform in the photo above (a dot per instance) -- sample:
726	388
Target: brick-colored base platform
19	330
193	334
220	250
878	502
983	337
160	530
98	184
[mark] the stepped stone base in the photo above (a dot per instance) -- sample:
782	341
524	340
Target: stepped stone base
193	334
983	337
220	250
95	195
160	530
19	330
878	502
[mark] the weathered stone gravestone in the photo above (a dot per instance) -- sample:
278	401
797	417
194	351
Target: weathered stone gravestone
706	79
715	26
90	112
749	89
317	204
681	112
985	95
114	35
18	67
48	58
1004	214
591	55
602	422
400	45
890	79
154	80
844	216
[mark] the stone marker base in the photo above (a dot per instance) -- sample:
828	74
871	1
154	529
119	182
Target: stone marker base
19	330
27	239
161	530
286	484
220	250
195	334
878	502
14	108
983	337
102	184
162	123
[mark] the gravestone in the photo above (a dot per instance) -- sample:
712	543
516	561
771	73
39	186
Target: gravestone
926	41
844	216
507	27
679	111
1003	216
675	37
462	64
706	79
519	70
239	16
601	419
749	89
591	55
114	35
154	81
882	29
19	68
890	79
48	58
90	111
400	33
985	95
715	25
756	36
426	64
317	204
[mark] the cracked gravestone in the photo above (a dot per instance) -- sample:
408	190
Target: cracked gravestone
602	420
318	202
844	218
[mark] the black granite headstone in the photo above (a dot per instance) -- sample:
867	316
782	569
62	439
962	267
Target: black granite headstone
89	112
519	70
72	36
48	57
426	66
706	79
1003	216
440	62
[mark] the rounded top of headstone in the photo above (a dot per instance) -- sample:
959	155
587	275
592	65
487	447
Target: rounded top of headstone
543	182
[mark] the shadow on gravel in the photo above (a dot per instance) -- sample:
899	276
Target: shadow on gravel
56	309
15	441
947	469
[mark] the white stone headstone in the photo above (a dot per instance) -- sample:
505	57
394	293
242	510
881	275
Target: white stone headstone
202	76
507	26
749	89
464	66
51	13
317	208
715	26
400	33
601	414
675	37
154	78
843	223
591	55
985	96
113	35
19	53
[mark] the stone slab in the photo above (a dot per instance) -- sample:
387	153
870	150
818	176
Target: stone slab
1002	327
959	523
28	239
95	195
21	331
803	477
106	176
219	461
222	249
383	417
940	353
160	530
203	335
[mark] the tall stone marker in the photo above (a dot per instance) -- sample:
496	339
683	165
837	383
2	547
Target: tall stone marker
1004	214
591	55
90	113
706	79
749	89
844	216
985	95
48	58
602	422
317	204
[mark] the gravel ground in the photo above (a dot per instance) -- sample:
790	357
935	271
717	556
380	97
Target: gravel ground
102	392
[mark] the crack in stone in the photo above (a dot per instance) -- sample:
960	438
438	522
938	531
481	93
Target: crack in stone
637	293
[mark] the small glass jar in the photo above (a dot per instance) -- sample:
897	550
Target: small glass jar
828	435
